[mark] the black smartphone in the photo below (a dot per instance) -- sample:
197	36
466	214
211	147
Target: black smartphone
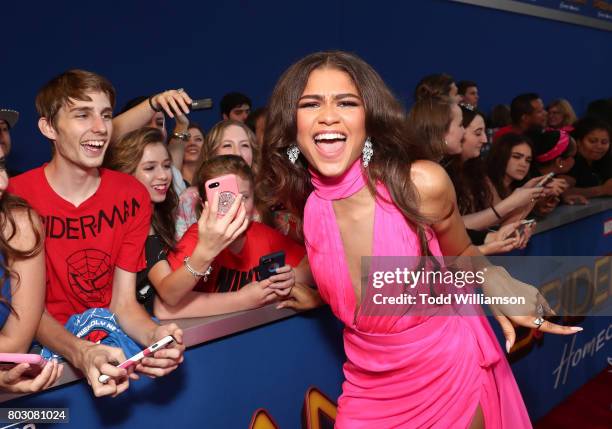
269	263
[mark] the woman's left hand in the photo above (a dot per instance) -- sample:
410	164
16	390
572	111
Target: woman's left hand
499	283
283	281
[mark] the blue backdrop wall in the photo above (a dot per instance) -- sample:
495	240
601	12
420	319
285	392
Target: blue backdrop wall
211	48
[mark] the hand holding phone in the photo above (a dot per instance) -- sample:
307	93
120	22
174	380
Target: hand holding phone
164	342
227	188
545	180
268	264
17	377
10	360
524	224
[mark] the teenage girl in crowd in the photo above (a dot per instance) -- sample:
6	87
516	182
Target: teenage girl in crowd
222	254
22	289
336	149
143	154
508	165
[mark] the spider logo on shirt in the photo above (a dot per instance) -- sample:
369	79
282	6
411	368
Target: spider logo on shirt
90	277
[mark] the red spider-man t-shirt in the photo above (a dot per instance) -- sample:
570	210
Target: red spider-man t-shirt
84	244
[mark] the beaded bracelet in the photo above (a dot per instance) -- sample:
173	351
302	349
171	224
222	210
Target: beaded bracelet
195	273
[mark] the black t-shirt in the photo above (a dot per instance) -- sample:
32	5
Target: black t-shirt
595	174
155	251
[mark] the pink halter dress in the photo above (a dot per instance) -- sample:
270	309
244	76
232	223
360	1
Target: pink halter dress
404	372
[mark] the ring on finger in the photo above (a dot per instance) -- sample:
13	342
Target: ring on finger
180	90
539	321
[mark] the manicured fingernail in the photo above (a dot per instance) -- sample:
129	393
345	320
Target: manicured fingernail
577	328
508	346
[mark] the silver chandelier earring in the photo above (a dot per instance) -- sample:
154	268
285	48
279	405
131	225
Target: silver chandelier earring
367	152
293	152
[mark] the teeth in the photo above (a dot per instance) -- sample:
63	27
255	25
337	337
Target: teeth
95	143
330	136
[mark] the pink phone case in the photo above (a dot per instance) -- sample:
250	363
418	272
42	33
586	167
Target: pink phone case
12	359
227	186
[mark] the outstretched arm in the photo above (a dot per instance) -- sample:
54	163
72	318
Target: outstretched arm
172	102
439	204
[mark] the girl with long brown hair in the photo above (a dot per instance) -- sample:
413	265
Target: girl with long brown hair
22	288
143	154
337	153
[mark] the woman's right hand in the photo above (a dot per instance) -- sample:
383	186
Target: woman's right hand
216	233
15	379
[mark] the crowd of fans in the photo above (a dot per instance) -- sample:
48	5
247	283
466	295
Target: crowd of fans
121	207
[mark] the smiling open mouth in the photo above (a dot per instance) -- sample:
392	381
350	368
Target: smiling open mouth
160	188
330	143
94	146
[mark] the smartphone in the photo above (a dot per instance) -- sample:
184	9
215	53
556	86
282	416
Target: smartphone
201	104
269	263
520	231
164	342
9	360
227	186
545	180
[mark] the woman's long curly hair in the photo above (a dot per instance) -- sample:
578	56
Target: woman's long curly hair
9	205
394	151
125	155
